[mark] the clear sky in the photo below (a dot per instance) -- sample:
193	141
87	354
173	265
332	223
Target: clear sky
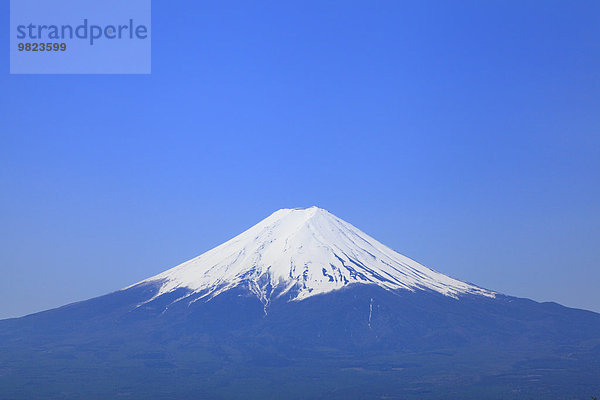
464	135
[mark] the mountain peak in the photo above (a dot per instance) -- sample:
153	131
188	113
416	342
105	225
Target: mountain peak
307	211
302	252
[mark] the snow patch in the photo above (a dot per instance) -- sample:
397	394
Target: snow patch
299	253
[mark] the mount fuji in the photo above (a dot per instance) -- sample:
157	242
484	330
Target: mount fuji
302	305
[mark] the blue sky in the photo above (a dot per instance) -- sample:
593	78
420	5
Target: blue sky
465	136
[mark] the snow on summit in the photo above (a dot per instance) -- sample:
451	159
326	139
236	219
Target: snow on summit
301	253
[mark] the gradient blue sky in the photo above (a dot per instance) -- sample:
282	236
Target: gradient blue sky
465	135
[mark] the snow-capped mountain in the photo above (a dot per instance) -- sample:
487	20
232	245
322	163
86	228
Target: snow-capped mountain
302	306
302	252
